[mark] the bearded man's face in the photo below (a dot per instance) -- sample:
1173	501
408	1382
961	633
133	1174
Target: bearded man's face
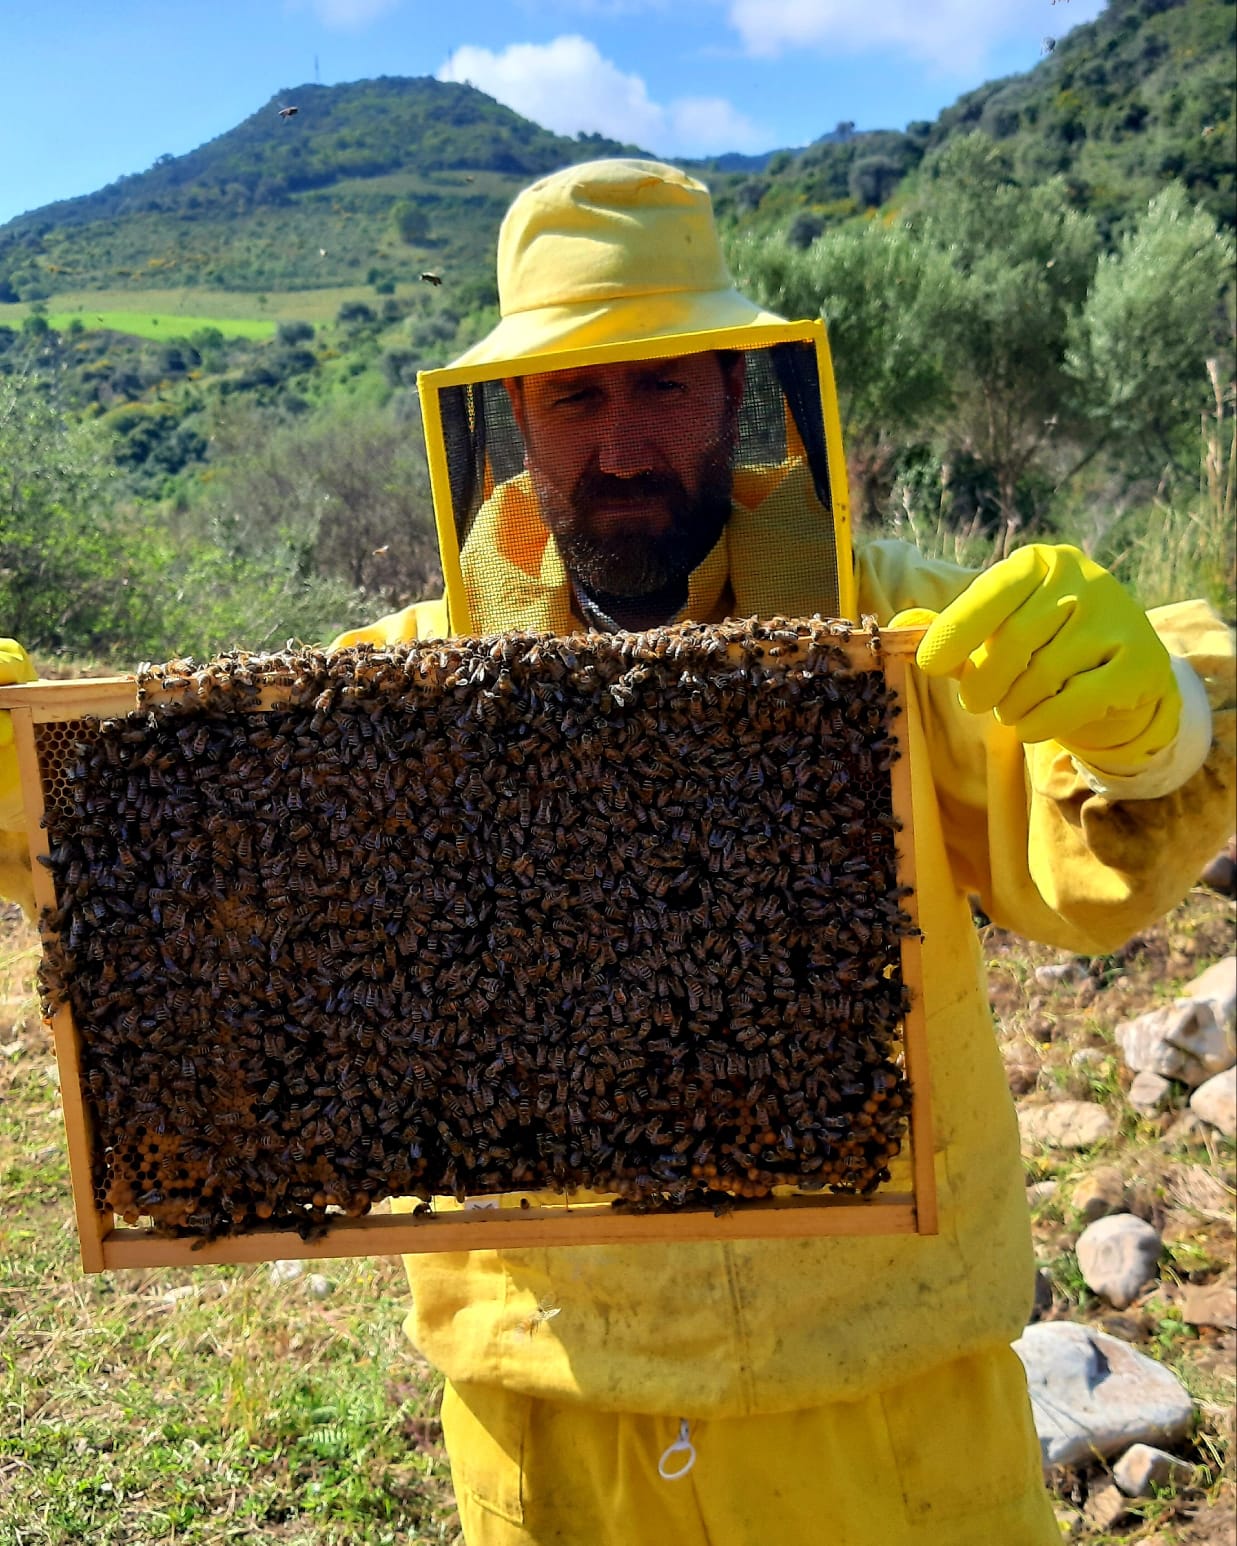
631	465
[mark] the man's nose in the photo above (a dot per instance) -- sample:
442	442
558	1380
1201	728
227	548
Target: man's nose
625	441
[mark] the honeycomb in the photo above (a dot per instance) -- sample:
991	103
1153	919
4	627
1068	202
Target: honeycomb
617	913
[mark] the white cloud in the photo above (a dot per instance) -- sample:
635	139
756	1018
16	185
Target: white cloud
953	35
569	86
347	15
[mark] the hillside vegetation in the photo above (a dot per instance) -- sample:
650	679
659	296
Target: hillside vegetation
379	174
1141	96
209	429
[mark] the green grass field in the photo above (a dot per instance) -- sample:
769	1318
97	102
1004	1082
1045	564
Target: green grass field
169	313
142	324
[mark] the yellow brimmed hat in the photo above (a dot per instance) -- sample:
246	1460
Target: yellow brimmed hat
610	252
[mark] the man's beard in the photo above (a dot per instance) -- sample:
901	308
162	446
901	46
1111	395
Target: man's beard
631	565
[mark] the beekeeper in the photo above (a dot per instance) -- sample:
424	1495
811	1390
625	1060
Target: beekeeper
1076	772
1074	766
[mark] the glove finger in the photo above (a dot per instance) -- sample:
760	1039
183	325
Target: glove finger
1019	661
978	612
1079	705
913	617
1070	652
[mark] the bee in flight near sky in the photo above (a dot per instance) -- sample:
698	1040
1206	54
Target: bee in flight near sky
288	112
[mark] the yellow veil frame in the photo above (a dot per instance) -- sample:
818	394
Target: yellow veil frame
670	346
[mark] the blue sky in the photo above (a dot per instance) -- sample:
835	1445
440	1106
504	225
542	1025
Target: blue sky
93	89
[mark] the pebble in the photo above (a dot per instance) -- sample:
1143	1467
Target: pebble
1099	1193
1210	1304
1117	1256
1215	1101
1065	1124
1221	873
1093	1395
1060	972
318	1286
1143	1468
1187	1127
1104	1507
1149	1092
1217	986
1182	1040
287	1271
1022	1065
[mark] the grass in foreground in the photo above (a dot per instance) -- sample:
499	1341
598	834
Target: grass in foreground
202	1406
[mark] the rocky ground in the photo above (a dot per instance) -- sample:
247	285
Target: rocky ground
1155	1172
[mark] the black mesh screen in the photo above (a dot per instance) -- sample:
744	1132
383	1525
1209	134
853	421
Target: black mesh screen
642	492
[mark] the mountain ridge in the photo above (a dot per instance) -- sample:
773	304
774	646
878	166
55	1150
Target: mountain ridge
377	180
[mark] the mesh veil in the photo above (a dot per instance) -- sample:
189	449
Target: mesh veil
767	482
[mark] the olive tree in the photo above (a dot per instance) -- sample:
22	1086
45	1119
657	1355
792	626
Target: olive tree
1022	261
1139	348
880	293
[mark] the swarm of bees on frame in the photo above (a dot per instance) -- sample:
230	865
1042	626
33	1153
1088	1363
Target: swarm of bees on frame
522	913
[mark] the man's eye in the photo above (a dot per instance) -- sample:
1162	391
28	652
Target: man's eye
574	399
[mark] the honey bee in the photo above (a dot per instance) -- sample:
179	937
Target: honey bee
546	1311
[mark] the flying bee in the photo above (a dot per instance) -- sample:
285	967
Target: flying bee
546	1311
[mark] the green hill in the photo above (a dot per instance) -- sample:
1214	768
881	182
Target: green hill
394	175
377	181
1119	106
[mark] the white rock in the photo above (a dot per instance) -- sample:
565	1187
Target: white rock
1183	1040
1065	1124
318	1286
1218	987
1216	1102
1149	1092
1143	1468
286	1271
1094	1395
1041	1191
1117	1255
1060	971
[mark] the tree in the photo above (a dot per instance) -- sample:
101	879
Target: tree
881	294
411	222
873	179
348	490
1154	316
294	332
62	539
1022	260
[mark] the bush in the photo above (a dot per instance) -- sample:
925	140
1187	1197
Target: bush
290	333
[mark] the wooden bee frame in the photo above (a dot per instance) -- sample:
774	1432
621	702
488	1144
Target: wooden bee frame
44	714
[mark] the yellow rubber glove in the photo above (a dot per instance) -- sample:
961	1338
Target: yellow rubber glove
1058	650
15	666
